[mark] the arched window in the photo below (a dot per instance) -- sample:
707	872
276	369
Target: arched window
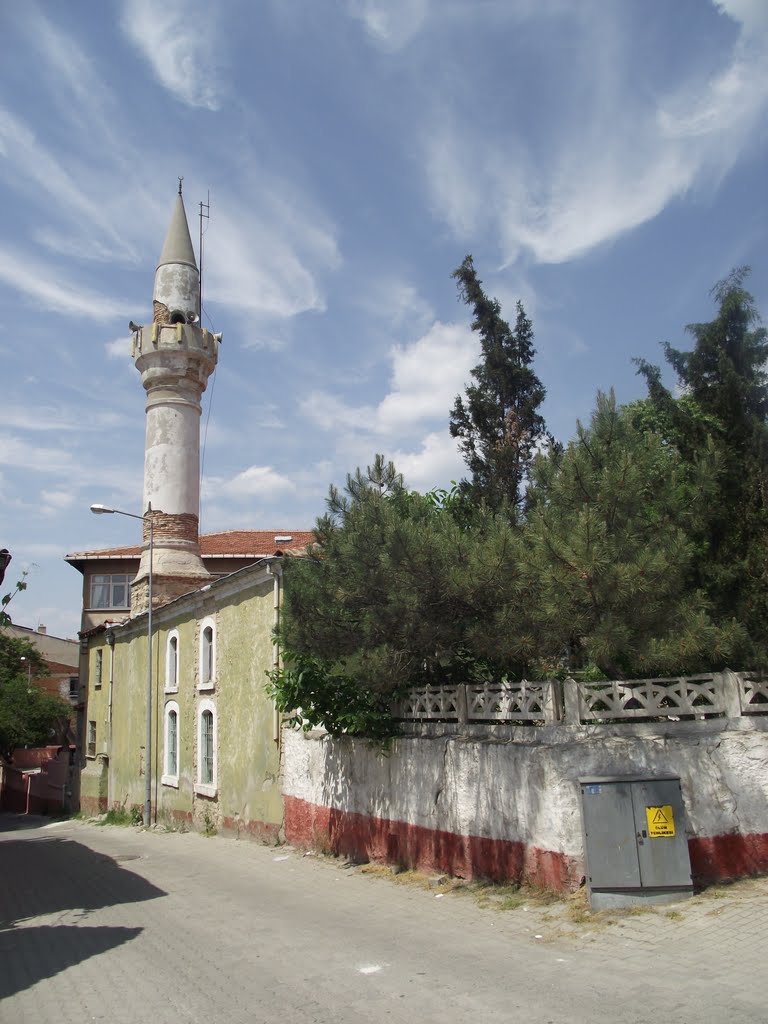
207	743
172	662
207	677
170	775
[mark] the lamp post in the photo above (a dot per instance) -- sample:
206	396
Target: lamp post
101	510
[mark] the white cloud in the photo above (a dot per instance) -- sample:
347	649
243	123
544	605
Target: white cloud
81	96
120	348
434	464
269	279
397	303
14	451
425	379
56	501
613	165
751	14
58	418
427	376
256	481
49	289
33	166
391	24
264	249
178	38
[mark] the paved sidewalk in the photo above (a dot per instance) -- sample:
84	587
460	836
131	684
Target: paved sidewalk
120	925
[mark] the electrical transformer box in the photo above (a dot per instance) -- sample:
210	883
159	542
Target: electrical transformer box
635	841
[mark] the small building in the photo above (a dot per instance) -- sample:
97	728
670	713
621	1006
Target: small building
214	751
61	656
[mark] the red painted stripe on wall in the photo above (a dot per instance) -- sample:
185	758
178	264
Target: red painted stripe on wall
348	834
723	858
364	838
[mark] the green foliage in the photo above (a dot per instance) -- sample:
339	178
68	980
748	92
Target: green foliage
400	591
313	694
609	554
498	422
5	600
124	816
643	549
29	717
724	406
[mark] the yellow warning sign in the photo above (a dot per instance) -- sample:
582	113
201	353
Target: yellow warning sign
661	821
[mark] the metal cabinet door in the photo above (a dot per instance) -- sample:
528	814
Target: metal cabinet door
609	829
662	845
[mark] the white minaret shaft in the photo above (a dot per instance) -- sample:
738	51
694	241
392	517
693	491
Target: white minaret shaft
175	357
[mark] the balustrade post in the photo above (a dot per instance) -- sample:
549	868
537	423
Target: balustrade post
729	683
571	702
553	702
461	704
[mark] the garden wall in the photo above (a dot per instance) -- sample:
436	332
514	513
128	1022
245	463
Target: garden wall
500	800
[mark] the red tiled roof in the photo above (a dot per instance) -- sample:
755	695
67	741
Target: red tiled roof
229	544
254	543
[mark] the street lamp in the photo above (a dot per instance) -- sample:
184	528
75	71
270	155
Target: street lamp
101	510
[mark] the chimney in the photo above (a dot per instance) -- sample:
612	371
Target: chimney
42	629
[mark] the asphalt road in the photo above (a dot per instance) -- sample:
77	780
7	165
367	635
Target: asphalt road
114	924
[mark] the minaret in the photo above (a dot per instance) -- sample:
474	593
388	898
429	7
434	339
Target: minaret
175	356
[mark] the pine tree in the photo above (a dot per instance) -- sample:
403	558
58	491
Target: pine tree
498	421
724	403
608	551
398	593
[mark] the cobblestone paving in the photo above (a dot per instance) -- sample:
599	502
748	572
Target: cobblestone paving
120	925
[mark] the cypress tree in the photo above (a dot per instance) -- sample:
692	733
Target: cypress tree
498	420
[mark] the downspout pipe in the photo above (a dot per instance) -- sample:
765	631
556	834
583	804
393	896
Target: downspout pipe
111	645
275	570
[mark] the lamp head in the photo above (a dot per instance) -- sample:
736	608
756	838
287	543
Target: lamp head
100	510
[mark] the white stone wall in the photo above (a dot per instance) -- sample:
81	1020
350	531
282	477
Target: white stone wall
526	789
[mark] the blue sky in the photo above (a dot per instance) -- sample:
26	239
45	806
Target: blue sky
604	162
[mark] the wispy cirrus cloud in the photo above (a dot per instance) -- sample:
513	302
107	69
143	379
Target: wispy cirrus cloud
46	287
390	24
185	61
615	162
30	165
17	452
279	277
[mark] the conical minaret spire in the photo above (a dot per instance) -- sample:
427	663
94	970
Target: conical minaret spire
175	357
177	280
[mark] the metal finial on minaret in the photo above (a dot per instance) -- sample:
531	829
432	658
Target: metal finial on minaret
175	357
180	181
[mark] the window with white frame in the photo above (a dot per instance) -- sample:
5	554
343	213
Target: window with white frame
207	677
91	739
110	590
172	662
99	667
170	776
207	743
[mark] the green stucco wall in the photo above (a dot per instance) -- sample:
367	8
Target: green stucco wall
94	772
247	797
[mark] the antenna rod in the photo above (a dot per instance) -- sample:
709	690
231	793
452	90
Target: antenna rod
206	216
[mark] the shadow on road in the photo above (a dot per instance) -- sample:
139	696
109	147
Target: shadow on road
43	875
12	822
29	955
